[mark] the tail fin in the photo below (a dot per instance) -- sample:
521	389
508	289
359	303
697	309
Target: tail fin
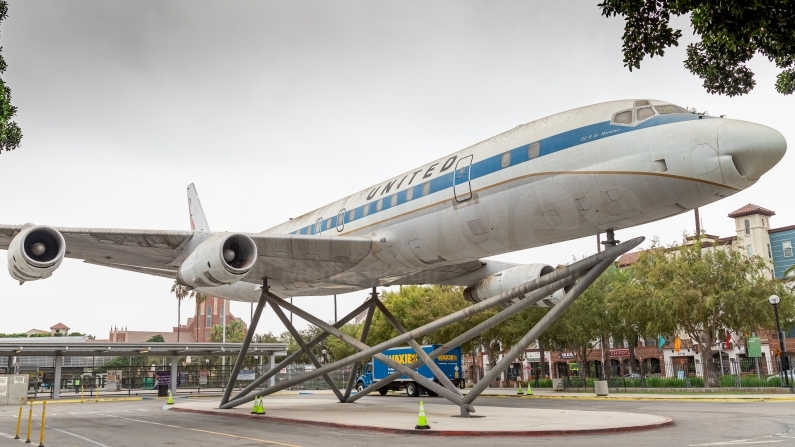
197	220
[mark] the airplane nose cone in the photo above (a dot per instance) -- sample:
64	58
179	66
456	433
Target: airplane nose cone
754	148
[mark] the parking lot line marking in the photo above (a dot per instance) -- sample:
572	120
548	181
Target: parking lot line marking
205	431
77	436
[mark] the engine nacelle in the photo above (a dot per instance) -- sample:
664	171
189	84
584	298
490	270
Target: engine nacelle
35	253
510	278
222	259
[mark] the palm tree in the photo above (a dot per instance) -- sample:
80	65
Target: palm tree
200	299
181	292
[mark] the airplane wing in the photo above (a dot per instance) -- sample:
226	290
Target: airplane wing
282	258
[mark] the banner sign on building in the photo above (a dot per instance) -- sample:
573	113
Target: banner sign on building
619	352
754	346
162	378
246	374
533	356
566	355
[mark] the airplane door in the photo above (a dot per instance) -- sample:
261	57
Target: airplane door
461	186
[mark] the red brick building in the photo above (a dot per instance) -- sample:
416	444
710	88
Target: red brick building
209	314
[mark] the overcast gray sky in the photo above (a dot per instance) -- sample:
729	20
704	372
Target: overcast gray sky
275	108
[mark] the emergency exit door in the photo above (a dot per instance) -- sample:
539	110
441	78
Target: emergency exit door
461	187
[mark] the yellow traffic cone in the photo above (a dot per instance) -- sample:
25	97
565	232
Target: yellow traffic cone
529	390
170	400
519	391
260	406
422	423
255	408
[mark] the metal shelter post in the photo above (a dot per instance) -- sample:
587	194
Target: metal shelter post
272	365
174	374
244	349
56	384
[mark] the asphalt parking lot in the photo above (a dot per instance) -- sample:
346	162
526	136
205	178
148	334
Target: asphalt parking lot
144	423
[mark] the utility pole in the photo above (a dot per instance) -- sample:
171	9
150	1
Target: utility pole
335	308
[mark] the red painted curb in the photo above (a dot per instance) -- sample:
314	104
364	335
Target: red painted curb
668	422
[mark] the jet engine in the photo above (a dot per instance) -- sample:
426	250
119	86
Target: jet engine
35	253
222	259
513	277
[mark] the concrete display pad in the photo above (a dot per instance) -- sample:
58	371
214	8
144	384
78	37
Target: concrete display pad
443	419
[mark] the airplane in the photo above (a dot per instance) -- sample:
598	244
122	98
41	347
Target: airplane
575	174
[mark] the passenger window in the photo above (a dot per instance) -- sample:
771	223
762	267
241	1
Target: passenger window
409	194
668	109
534	150
624	117
506	160
394	200
379	205
318	225
351	213
426	188
644	113
366	209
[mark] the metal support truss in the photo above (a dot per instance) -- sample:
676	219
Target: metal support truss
246	343
586	271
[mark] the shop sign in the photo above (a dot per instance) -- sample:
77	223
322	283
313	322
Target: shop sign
619	352
203	377
566	355
533	357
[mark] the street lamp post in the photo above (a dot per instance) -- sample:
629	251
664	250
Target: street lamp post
324	355
774	300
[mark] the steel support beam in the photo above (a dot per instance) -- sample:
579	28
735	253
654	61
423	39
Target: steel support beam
244	349
554	313
421	380
472	333
275	369
365	330
306	350
424	357
579	269
555	280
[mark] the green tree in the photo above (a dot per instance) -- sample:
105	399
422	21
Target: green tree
266	338
10	133
181	292
731	31
702	292
234	332
157	338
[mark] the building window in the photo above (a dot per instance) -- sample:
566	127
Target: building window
787	249
769	253
747	226
750	250
209	319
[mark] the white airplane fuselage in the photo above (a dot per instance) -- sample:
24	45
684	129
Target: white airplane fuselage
567	176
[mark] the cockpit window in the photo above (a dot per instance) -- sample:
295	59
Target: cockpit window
642	103
667	109
624	117
645	112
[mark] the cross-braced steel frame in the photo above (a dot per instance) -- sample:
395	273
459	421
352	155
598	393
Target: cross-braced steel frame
584	272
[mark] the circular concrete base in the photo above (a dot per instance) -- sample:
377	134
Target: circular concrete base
387	416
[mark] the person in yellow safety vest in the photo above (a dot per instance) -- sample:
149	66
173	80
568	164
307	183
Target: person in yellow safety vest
77	384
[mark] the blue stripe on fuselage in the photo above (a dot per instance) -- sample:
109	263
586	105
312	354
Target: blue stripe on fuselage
490	165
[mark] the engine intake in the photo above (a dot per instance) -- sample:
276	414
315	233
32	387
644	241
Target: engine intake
510	278
35	253
222	259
